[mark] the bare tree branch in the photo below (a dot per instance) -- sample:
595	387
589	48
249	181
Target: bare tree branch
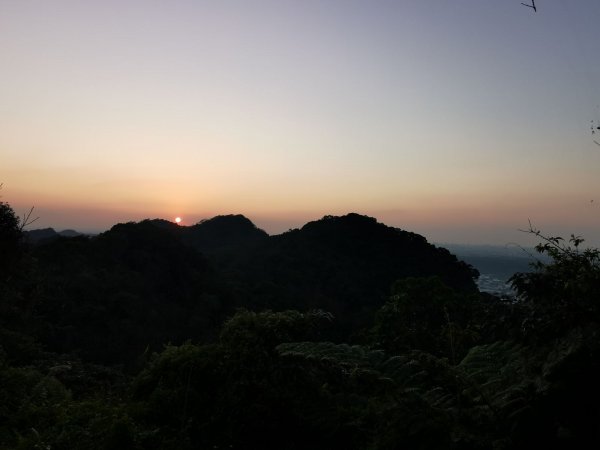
27	220
532	6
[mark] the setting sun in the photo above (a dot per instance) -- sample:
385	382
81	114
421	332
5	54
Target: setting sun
177	219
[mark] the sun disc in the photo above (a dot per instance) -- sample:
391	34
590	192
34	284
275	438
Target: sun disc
177	219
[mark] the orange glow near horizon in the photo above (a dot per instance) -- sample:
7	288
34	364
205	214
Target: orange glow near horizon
216	108
441	218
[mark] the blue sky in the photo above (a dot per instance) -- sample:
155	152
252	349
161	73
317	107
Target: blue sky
459	120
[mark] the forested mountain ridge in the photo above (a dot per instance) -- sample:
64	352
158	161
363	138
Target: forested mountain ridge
344	264
134	339
48	234
144	284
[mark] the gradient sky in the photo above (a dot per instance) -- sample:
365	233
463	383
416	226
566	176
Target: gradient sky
459	120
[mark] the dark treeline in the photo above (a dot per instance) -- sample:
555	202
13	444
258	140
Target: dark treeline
343	334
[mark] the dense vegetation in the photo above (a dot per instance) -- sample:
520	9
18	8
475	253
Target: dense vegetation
343	334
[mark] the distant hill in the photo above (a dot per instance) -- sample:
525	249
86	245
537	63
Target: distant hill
69	233
46	234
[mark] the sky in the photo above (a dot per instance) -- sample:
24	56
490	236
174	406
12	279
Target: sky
460	120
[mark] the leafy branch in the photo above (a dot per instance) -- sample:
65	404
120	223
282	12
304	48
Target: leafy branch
564	290
562	250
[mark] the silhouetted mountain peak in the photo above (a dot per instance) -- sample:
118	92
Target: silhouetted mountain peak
352	230
351	220
42	234
353	223
230	223
344	264
223	232
161	223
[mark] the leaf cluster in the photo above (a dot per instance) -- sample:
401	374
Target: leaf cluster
563	292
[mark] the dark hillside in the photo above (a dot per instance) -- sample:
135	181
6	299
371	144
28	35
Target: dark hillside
134	286
42	235
345	265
